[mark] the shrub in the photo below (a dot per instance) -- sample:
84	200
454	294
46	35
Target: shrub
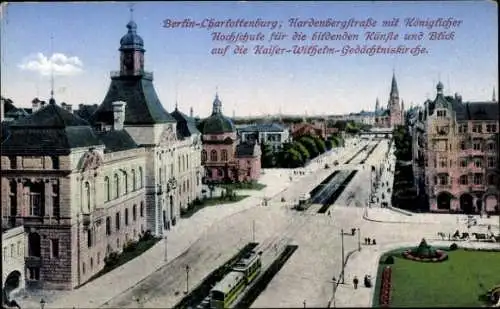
453	247
130	246
111	259
146	236
389	260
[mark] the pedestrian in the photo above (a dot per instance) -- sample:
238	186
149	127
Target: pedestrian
329	213
374	242
355	281
369	240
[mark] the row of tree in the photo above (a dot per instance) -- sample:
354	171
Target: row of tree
299	152
402	142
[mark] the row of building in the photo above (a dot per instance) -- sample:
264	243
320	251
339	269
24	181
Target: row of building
455	152
80	184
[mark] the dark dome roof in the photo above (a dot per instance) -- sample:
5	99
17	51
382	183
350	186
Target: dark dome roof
217	124
131	40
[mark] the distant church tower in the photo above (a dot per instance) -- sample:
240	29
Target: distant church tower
402	111
393	104
377	106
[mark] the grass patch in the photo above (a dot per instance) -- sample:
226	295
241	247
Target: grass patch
461	281
200	204
244	186
134	250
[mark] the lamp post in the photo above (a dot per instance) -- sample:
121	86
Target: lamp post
42	303
334	281
359	239
304	302
187	279
342	244
166	248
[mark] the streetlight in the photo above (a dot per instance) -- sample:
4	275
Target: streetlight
342	243
253	230
359	239
166	246
42	303
187	279
304	302
334	281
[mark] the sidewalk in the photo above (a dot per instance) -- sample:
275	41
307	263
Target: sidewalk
366	262
179	239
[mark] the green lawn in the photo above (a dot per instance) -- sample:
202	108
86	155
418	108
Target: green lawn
210	202
459	281
244	186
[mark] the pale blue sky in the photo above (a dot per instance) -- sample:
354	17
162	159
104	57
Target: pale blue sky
182	63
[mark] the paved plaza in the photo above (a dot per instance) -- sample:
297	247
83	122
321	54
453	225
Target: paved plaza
211	236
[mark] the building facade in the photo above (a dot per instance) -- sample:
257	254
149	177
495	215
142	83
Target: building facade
393	115
13	246
272	134
83	188
224	156
461	154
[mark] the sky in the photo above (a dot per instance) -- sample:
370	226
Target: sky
85	41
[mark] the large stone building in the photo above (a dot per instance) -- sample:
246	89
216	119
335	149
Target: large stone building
83	188
460	153
272	134
393	114
225	157
13	245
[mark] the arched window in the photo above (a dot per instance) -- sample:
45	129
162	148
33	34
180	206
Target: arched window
224	155
117	186
34	248
213	155
107	189
140	177
86	194
125	182
203	156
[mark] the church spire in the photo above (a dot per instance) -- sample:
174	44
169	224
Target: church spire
377	105
52	100
394	87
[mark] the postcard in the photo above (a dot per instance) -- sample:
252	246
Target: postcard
250	154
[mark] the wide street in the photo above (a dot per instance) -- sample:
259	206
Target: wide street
203	242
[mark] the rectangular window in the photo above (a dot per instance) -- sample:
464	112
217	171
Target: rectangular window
463	163
491	162
12	250
5	253
477	146
33	273
126	216
35	202
19	253
477	128
478	163
55	248
478	179
108	225
117	219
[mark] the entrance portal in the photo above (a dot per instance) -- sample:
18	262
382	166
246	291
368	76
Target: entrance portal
444	200
466	203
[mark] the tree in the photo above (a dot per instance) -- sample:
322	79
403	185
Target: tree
302	150
320	144
403	143
294	158
310	145
267	156
328	144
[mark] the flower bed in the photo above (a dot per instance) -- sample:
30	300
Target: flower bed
385	288
440	256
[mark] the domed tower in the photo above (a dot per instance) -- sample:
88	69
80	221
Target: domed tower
217	123
131	52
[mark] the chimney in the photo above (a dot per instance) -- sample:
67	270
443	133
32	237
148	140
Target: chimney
35	104
118	115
